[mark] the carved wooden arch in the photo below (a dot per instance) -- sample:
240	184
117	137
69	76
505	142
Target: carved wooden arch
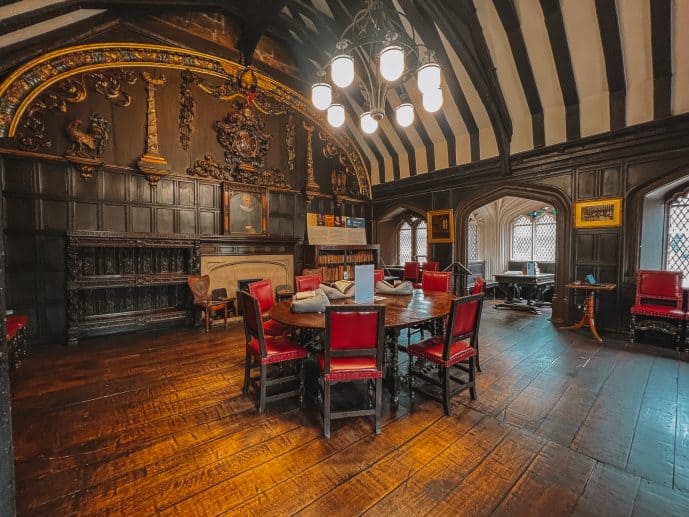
634	204
550	195
24	85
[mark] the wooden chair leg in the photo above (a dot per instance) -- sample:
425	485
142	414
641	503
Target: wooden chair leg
247	373
302	376
264	389
326	409
225	315
478	361
632	329
472	376
446	389
410	380
207	319
379	404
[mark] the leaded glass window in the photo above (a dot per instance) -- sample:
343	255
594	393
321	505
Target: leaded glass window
522	238
404	249
534	238
472	238
421	244
544	238
677	253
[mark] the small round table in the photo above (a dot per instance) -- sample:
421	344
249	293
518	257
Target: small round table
589	316
400	312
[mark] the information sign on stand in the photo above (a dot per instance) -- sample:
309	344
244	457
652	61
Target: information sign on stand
363	288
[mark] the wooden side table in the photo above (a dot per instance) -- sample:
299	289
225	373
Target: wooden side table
589	317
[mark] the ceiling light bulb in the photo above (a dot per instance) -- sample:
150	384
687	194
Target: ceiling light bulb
321	95
368	123
336	115
433	100
404	113
392	62
342	70
428	77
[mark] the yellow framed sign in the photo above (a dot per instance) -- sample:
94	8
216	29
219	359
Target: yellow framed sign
598	213
441	226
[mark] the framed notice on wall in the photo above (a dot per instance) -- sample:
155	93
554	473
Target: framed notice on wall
598	213
440	226
335	230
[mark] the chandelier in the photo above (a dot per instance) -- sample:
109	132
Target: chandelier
377	50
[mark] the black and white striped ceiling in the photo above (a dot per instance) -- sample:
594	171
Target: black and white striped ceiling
518	74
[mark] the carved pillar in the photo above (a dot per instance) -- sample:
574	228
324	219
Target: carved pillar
73	272
312	188
152	164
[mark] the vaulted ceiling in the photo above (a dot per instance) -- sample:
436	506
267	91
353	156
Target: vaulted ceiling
518	74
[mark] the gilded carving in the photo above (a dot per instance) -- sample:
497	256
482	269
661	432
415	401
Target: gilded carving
242	133
208	167
88	145
330	150
290	140
20	89
311	186
187	110
152	164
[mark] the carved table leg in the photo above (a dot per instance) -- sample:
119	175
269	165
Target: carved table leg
393	370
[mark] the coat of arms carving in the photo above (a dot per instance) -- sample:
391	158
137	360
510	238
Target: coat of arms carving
242	133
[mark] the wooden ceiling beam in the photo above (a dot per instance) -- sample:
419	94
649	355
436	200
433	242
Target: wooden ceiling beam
609	26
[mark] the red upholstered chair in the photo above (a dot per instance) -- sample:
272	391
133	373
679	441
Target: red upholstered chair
455	347
263	351
353	352
431	266
436	281
411	271
15	328
658	300
479	286
199	286
431	281
263	292
307	282
378	276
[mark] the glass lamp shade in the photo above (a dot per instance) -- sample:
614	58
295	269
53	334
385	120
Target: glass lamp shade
368	123
428	77
342	70
404	113
336	115
433	100
321	95
391	62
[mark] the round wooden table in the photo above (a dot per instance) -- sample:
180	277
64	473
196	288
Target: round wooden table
400	312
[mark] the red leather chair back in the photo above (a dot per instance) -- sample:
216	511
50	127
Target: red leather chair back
253	323
436	281
378	276
659	285
465	318
263	292
307	282
411	271
431	266
354	331
479	285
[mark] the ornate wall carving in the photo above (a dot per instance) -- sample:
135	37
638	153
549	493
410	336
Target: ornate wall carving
88	144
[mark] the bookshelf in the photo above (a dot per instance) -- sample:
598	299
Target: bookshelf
335	260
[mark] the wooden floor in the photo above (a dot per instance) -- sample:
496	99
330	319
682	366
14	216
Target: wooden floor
156	423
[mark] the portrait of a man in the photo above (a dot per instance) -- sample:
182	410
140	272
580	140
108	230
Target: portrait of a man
246	213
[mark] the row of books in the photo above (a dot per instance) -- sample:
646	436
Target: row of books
333	273
359	257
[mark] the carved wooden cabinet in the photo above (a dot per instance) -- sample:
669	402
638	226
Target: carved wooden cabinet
119	282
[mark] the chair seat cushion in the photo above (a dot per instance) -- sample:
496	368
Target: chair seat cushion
658	311
350	368
432	350
15	323
273	328
278	350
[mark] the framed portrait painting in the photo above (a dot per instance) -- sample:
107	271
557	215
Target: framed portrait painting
598	213
245	210
440	226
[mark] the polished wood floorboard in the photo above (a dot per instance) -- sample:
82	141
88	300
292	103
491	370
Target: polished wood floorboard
156	423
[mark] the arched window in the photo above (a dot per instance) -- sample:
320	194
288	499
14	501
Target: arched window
534	237
472	239
412	240
677	236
